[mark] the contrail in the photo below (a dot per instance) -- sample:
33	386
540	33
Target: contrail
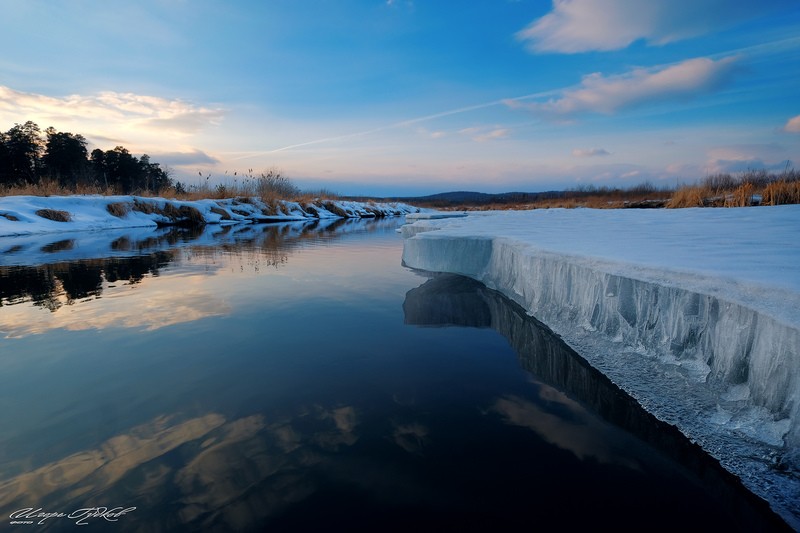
402	123
753	51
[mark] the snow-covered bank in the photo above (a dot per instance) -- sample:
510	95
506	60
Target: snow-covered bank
24	215
695	312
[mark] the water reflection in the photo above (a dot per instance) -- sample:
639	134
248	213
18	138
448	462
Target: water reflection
452	300
52	286
108	264
306	404
203	472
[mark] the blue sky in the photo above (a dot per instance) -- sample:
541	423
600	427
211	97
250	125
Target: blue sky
416	96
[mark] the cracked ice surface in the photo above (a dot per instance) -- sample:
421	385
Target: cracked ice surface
695	312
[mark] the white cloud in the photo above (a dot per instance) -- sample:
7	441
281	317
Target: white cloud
108	113
499	133
583	25
745	157
437	134
793	125
610	94
590	152
482	134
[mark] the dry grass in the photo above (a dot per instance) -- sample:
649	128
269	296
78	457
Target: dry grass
224	215
689	197
119	209
52	188
55	215
148	208
271	187
740	191
9	216
598	202
717	190
183	215
189	215
335	209
781	192
741	197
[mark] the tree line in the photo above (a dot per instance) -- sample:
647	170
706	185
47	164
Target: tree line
29	157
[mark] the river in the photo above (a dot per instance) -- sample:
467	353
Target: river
296	377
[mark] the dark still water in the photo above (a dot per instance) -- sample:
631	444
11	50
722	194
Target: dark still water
298	378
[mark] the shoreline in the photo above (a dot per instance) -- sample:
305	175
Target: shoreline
26	215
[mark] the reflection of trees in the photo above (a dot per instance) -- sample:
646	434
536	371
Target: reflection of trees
47	285
258	245
37	284
451	300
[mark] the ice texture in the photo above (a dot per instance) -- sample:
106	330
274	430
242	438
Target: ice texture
694	312
451	300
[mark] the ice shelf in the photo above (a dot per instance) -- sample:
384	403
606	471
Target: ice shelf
694	312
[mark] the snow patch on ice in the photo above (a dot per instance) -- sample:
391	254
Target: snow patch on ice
434	215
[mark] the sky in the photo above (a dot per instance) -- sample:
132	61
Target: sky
410	97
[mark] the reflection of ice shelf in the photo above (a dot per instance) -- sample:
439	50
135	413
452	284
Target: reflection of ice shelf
714	294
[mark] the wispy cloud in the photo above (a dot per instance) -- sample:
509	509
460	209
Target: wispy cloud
490	135
793	125
584	25
437	134
402	124
179	159
590	152
610	94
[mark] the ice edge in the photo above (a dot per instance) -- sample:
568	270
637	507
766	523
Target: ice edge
736	343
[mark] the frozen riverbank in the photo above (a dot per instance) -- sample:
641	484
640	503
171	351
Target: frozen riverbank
695	312
25	215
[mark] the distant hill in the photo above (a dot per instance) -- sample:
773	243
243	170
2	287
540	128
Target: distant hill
455	198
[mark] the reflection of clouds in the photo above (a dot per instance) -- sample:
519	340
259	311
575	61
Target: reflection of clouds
93	471
344	418
208	481
152	304
411	437
231	473
579	433
252	469
288	439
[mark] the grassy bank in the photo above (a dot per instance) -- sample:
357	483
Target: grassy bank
719	190
269	186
